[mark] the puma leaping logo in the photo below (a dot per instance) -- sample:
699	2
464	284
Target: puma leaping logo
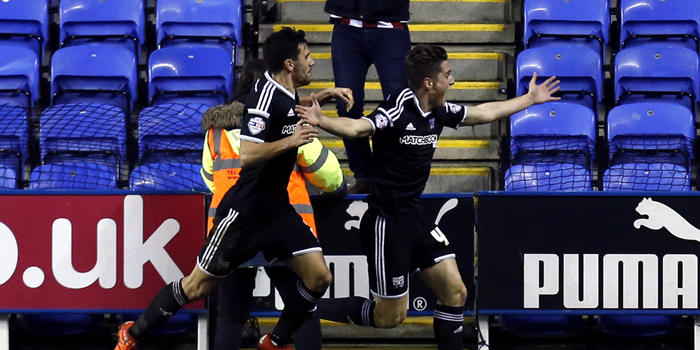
660	215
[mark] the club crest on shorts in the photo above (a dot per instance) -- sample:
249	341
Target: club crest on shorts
382	121
398	282
256	125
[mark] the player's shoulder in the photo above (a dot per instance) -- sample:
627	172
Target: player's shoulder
261	97
391	107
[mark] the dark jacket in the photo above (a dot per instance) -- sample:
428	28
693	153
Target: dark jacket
370	10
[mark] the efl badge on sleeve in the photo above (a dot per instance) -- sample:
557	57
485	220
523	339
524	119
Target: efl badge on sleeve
256	125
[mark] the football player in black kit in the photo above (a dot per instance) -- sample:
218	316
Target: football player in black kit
255	213
396	236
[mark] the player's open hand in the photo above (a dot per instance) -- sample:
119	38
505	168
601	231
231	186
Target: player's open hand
543	92
310	115
303	134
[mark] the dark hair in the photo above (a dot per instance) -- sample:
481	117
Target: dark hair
281	46
424	61
252	71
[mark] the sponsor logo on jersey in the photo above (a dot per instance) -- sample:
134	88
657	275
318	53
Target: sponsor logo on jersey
410	127
291	112
382	121
256	125
418	140
289	129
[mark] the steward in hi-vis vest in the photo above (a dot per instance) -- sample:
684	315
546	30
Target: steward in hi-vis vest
221	164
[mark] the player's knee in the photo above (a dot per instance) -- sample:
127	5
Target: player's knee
196	289
320	282
389	318
455	296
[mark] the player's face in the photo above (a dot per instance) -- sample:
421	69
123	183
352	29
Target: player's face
443	82
301	75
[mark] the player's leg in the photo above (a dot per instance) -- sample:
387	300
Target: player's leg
233	307
351	60
384	243
438	269
308	336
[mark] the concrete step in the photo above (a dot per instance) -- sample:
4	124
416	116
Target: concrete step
422	11
466	66
447	149
452	176
446	33
461	91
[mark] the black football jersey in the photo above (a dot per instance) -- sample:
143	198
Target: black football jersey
403	143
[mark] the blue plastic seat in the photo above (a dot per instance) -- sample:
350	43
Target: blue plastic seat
19	77
61	324
567	23
180	323
540	325
547	177
103	74
14	137
180	74
167	176
554	132
579	69
83	133
76	176
112	21
639	325
657	74
216	23
646	177
171	133
668	23
25	23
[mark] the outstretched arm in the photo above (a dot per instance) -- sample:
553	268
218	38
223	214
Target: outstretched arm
340	126
488	112
252	152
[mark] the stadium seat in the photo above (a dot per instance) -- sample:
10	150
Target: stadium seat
14	138
61	324
567	23
83	133
112	21
171	133
650	147
25	23
179	74
19	77
76	176
657	74
639	325
670	23
180	323
547	177
579	69
102	74
216	23
167	176
554	132
540	325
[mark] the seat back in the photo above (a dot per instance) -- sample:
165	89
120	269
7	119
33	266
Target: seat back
19	70
185	21
578	69
107	72
183	75
29	20
167	176
646	177
89	132
671	23
171	129
561	22
84	21
665	70
79	176
547	177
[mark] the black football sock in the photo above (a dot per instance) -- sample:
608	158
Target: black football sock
355	310
447	324
298	308
166	303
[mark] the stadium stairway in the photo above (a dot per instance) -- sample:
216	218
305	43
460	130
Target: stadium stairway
479	37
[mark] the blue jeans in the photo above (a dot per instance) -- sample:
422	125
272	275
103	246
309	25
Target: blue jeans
354	50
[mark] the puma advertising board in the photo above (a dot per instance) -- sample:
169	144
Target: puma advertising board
581	253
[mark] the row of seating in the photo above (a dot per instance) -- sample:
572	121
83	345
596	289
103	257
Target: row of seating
214	22
587	23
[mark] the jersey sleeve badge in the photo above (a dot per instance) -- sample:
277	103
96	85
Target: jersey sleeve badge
256	125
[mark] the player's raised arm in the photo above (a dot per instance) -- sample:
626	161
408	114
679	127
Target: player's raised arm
340	126
488	112
254	152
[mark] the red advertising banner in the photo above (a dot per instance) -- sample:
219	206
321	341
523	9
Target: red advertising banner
104	252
